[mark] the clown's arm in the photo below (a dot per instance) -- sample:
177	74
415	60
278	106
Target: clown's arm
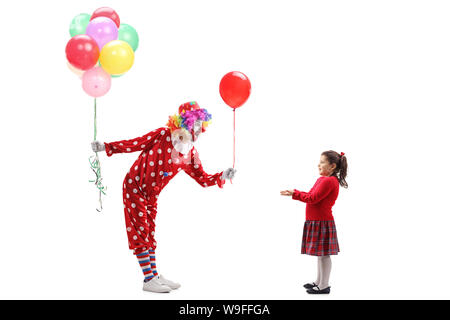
195	170
127	146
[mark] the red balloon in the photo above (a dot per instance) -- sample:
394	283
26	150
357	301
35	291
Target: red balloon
108	13
235	89
82	52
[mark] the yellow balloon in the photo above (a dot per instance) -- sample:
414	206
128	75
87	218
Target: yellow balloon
116	57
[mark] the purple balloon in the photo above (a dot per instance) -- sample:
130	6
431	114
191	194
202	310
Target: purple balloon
96	82
102	30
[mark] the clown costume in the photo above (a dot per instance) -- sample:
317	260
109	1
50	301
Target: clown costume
164	152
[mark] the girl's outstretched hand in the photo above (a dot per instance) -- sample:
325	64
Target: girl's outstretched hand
287	193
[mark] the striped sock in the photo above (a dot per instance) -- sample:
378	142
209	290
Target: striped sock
153	262
144	262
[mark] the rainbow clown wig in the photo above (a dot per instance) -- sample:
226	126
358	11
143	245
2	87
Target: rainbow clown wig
188	113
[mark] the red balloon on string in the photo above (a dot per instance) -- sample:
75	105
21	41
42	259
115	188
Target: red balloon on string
82	52
108	13
235	89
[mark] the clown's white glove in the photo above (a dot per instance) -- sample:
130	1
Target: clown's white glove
97	146
228	174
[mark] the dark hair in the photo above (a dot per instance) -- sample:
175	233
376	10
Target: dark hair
341	165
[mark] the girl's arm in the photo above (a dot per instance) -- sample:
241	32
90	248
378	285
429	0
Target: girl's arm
316	194
137	144
195	170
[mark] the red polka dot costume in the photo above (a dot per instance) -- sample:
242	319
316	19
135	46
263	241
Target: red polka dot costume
157	164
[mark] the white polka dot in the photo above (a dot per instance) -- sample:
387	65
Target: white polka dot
151	152
152	174
178	169
129	210
110	152
140	214
169	150
143	165
135	143
141	228
153	233
160	162
168	138
163	132
152	163
133	205
205	184
137	178
169	161
120	144
161	173
153	184
154	243
129	229
135	190
196	166
144	185
170	173
130	181
159	151
134	237
128	149
149	137
143	146
141	200
128	196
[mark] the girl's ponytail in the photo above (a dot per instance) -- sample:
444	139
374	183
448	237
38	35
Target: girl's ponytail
340	160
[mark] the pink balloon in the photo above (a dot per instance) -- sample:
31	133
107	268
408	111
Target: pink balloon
102	30
96	82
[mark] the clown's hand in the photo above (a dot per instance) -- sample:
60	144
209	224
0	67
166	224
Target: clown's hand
97	146
228	174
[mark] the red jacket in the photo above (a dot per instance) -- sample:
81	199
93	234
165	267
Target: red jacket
320	199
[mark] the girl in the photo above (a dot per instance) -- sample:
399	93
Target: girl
319	232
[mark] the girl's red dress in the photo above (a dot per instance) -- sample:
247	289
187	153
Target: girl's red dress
319	231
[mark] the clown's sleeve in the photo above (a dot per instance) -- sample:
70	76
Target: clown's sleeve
137	144
194	169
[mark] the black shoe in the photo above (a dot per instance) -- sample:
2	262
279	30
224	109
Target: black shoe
318	291
309	285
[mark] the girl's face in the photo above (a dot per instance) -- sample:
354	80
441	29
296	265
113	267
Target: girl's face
325	168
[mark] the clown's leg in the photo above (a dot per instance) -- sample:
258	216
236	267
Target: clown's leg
151	212
140	240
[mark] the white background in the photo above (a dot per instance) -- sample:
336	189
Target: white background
370	78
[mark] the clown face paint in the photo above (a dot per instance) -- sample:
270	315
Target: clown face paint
197	130
182	141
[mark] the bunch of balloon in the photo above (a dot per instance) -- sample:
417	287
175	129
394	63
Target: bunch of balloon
101	48
235	88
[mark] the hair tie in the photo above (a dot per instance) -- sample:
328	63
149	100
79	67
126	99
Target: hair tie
342	154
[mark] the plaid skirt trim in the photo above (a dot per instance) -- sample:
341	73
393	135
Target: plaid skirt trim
320	238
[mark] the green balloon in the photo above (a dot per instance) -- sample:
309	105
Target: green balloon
79	24
128	34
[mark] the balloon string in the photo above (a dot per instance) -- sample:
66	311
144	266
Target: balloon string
94	162
234	140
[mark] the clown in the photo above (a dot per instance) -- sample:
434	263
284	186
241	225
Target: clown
164	152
